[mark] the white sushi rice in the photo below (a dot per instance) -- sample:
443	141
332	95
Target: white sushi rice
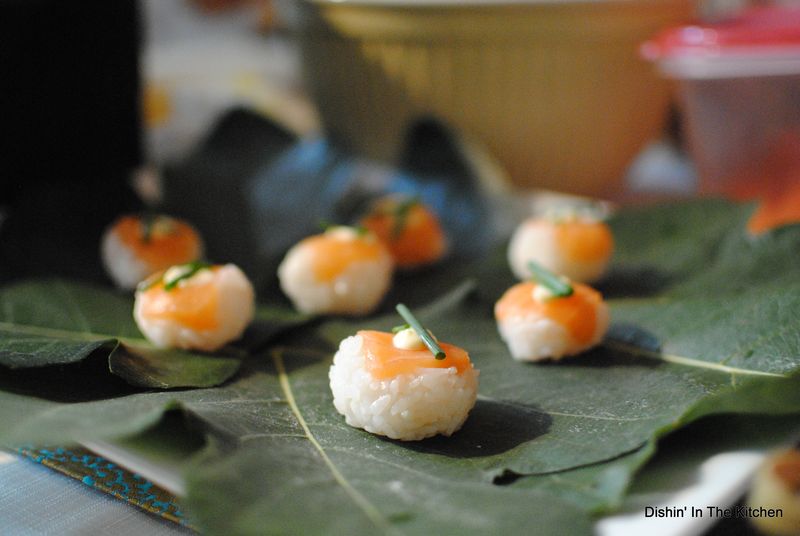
121	263
534	337
357	290
235	310
536	241
408	407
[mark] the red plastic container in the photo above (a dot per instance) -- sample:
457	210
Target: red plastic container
739	85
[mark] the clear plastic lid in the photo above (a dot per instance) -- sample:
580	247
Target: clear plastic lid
762	41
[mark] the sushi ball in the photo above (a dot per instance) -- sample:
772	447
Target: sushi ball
195	306
777	486
409	229
392	385
341	271
537	325
135	247
577	246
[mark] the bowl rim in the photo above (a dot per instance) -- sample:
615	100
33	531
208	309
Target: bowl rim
423	4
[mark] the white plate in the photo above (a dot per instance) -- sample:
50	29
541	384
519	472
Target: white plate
718	483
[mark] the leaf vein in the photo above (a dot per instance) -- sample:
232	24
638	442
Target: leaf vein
252	437
372	513
686	361
83	336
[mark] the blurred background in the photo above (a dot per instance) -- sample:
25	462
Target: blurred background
246	114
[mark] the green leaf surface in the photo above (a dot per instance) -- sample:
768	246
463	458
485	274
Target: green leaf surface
704	322
674	239
47	323
298	470
681	453
606	403
606	487
142	365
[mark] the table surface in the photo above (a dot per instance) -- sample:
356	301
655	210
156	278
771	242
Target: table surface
38	501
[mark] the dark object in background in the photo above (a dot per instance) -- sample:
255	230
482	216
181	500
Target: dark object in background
210	188
253	191
70	108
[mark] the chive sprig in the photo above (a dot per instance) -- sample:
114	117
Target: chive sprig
148	222
190	269
423	333
401	212
552	282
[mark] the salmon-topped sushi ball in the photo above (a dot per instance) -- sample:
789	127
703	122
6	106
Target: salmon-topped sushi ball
578	246
135	247
344	270
195	306
409	229
399	386
550	317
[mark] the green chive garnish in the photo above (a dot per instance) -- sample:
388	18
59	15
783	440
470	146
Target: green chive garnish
423	333
360	230
557	286
401	327
153	223
190	269
148	221
401	216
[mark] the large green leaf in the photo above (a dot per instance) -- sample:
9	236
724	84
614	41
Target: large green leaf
599	406
46	323
669	241
696	331
601	487
298	470
283	451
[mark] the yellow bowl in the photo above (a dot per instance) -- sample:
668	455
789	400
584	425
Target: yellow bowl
554	89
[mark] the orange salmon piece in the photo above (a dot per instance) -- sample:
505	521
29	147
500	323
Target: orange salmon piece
193	306
332	256
421	239
584	241
577	313
384	360
169	244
